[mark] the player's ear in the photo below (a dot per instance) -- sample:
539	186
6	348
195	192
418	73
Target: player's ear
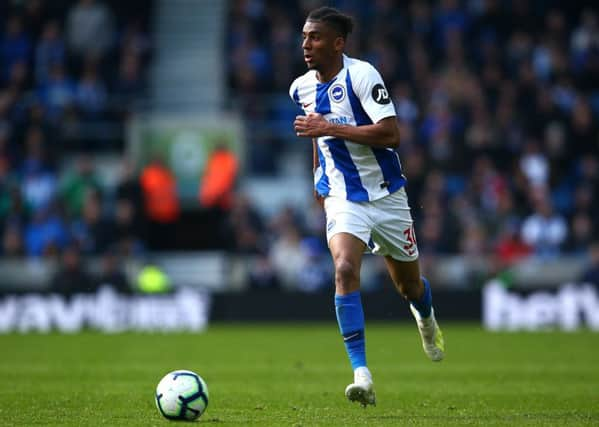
339	44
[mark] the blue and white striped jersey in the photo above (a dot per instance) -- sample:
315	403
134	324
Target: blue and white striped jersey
356	96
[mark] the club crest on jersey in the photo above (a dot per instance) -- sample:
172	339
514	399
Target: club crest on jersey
337	93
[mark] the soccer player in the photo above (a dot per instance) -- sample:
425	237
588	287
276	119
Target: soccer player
358	176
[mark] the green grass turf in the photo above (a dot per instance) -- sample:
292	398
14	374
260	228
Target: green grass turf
295	375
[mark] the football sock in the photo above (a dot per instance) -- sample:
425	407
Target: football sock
362	372
350	318
424	303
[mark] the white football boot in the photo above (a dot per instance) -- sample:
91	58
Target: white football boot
432	337
362	389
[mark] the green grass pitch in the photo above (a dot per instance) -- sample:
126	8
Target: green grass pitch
295	375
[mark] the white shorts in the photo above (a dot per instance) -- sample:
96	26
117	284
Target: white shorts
384	225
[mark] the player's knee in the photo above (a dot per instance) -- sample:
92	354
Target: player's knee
346	273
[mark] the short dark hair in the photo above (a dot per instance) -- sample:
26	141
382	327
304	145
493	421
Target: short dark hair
343	24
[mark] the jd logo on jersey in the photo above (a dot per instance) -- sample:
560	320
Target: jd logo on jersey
380	95
337	92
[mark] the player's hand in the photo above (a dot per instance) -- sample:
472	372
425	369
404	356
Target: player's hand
312	125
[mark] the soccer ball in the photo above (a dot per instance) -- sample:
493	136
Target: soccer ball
182	395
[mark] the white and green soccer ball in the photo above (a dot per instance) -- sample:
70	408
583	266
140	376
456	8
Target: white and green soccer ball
182	395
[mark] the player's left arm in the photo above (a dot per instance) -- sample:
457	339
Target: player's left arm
383	134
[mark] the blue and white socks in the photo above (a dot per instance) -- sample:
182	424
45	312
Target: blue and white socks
350	318
425	302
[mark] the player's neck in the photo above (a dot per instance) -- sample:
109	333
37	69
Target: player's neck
327	75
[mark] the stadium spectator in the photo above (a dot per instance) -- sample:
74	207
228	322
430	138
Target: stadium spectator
90	28
129	83
315	220
71	276
77	183
46	234
583	129
112	275
545	230
160	192
15	46
130	216
13	207
39	182
49	50
12	241
407	109
91	231
247	227
316	274
35	13
57	93
161	203
535	166
134	41
128	230
286	253
7	156
580	235
217	183
510	248
262	275
90	93
591	272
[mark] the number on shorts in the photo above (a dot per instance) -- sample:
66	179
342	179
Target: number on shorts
411	238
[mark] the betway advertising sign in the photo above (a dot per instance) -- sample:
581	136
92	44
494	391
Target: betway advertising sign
105	311
570	307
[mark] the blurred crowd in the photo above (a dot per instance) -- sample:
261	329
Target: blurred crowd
497	103
69	70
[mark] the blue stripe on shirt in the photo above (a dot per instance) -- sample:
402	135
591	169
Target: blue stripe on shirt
323	103
343	161
296	97
387	159
322	186
359	114
389	163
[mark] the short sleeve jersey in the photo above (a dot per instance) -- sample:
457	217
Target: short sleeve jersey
356	96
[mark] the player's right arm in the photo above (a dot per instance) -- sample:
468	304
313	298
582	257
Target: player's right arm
383	134
368	85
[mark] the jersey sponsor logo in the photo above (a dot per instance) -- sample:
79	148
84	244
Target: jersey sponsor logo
337	92
380	94
343	120
306	105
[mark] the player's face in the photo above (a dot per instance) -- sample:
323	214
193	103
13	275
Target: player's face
321	45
